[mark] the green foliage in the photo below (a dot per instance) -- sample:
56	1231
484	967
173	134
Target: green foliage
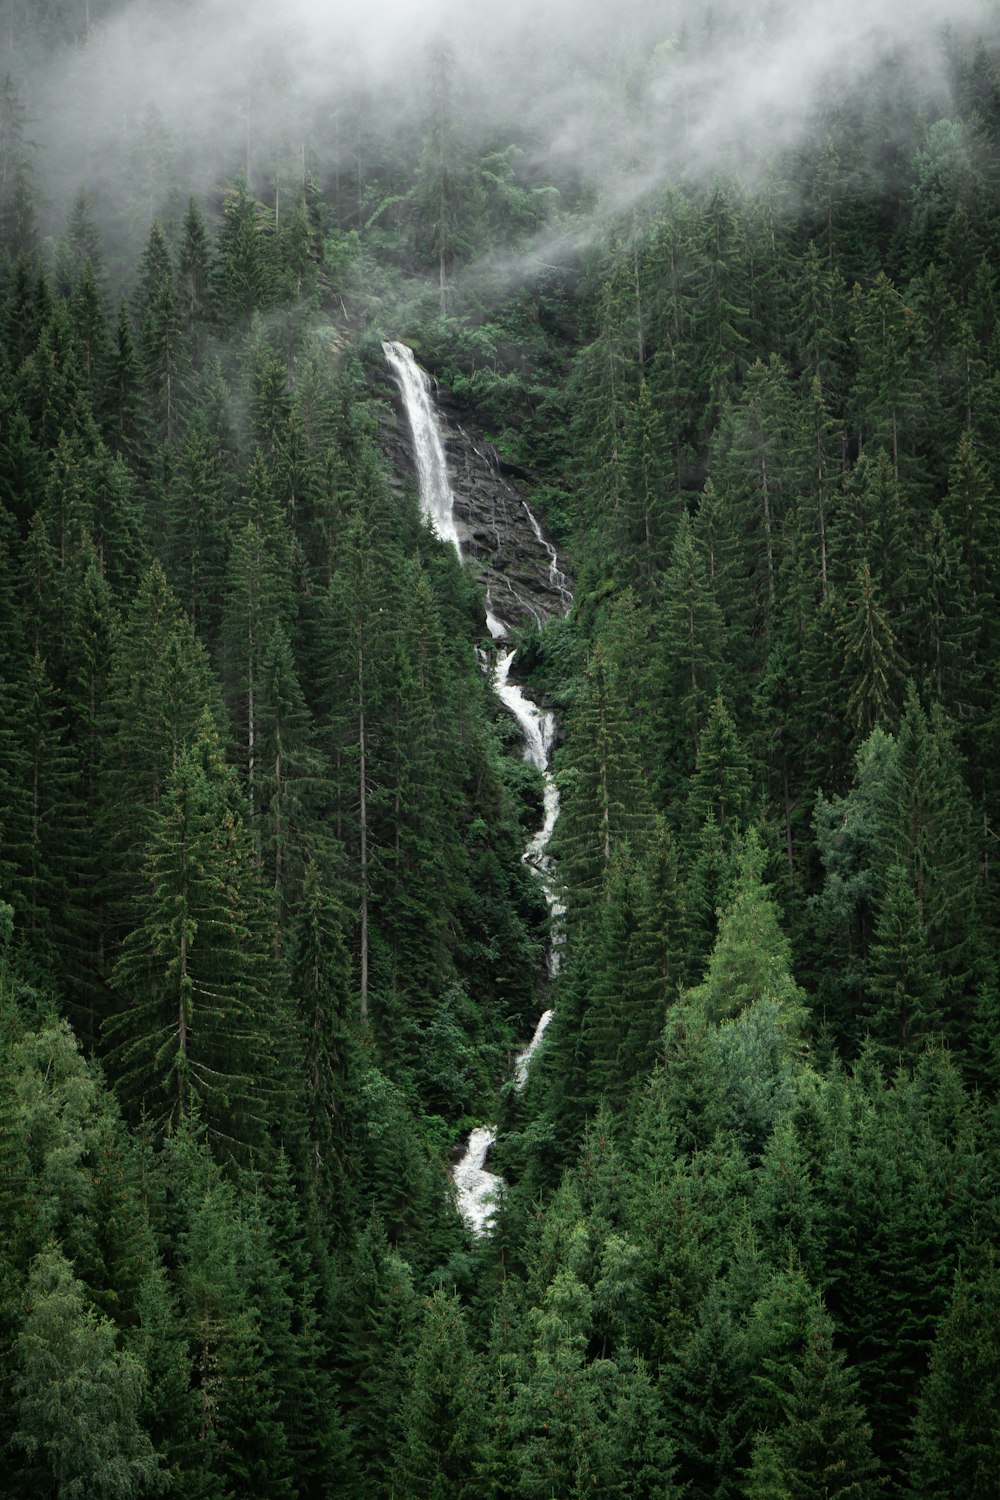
262	821
442	1416
750	962
195	972
955	1438
820	1443
78	1396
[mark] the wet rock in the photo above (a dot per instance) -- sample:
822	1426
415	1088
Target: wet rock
520	571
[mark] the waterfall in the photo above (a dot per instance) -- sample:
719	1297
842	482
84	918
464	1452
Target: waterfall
428	450
557	578
476	1186
538	727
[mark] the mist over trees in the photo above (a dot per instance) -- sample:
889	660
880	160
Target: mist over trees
720	287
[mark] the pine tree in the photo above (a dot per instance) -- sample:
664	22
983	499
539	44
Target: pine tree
885	1156
156	268
869	528
823	1445
287	1275
967	510
194	269
904	985
42	825
377	1345
164	360
753	467
883	396
123	414
605	379
159	683
289	782
192	1039
646	519
442	1414
321	983
870	656
947	629
82	239
419	874
92	336
21	466
625	989
356	634
689	660
556	1411
50	384
78	1396
708	1396
720	786
751	960
245	280
258	598
606	805
929	835
956	1433
194	547
719	323
445	193
850	833
18	227
637	1460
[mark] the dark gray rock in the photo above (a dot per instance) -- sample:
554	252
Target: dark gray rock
522	576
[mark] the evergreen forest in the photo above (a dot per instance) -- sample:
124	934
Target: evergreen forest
721	287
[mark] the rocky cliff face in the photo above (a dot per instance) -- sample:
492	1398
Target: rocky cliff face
520	571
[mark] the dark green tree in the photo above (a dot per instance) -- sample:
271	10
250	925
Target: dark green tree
823	1444
197	1031
443	1412
956	1435
244	268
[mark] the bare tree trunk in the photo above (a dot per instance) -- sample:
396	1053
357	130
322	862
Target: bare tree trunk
363	802
767	531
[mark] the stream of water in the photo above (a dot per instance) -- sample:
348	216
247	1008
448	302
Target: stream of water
477	1188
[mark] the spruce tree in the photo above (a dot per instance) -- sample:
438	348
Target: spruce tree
194	975
929	835
606	805
18	221
955	1444
78	1395
689	663
244	270
751	960
194	269
822	1446
442	1414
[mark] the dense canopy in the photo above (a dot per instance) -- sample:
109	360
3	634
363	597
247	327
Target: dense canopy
720	288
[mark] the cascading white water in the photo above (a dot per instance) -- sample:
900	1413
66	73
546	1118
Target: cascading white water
538	727
557	578
436	498
477	1187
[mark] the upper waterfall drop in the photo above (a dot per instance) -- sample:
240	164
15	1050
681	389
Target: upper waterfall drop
469	497
436	499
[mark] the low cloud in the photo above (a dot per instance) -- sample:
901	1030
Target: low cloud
657	92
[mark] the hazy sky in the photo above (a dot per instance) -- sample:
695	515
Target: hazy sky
601	93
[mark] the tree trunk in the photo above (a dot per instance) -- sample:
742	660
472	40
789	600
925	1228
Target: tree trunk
363	806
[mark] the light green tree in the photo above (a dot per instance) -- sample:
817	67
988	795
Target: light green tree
78	1395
